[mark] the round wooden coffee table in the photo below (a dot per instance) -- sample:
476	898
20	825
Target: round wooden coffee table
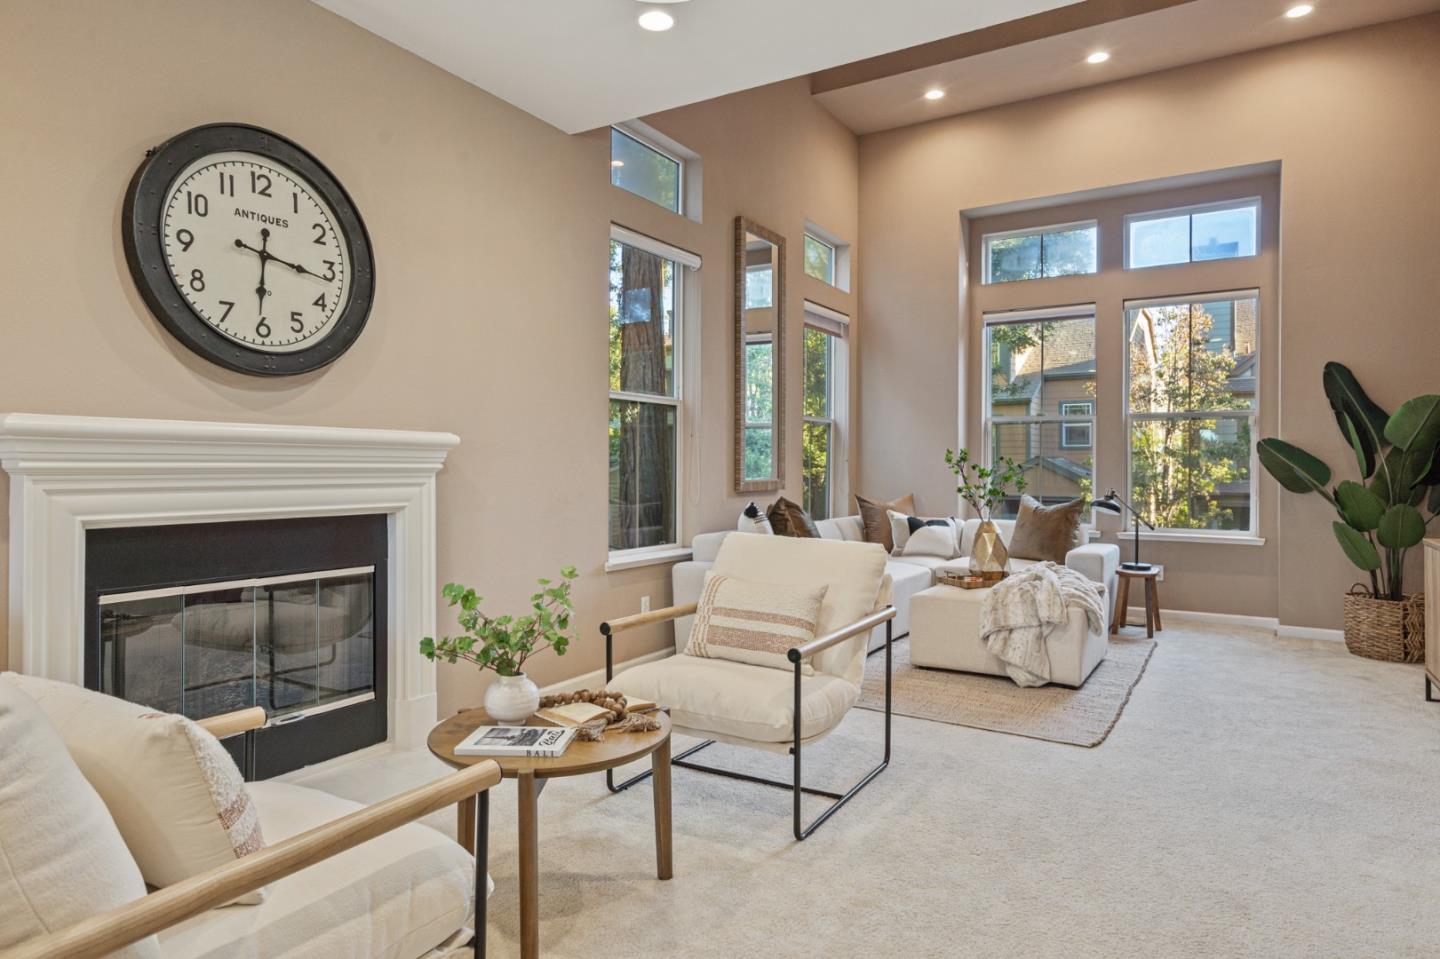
530	776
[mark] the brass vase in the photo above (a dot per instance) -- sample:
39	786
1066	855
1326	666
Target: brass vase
988	557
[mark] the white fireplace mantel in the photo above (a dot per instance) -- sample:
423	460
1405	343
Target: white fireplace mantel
69	474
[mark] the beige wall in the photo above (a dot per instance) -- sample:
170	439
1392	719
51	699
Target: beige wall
490	231
1349	116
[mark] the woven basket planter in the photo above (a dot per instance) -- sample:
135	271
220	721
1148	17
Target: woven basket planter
1384	628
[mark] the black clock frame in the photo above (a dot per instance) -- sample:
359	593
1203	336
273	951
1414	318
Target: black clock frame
142	220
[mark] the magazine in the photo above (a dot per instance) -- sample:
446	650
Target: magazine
533	742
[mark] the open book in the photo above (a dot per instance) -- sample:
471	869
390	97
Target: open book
580	714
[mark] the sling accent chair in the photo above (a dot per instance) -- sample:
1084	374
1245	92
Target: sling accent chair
778	710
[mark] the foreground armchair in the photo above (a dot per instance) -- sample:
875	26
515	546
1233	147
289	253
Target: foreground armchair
720	700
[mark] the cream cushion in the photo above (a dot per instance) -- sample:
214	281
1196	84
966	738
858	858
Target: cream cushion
726	700
61	858
854	574
173	791
397	896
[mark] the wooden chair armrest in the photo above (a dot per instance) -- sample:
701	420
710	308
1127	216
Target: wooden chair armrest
233	724
840	635
100	935
645	619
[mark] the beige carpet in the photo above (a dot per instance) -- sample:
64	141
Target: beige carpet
1079	717
1260	798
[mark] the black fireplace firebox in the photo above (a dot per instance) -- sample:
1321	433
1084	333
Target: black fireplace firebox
289	615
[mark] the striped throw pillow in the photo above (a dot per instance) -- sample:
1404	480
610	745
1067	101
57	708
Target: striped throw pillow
753	622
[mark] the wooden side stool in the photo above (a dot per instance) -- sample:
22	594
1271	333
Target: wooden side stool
1151	578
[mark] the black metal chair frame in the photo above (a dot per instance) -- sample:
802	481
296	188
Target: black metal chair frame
796	657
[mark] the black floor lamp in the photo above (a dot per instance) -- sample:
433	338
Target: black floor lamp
1112	503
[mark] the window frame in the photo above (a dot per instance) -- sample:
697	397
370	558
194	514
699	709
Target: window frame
987	238
685	266
1189	213
1089	427
1252	533
834	257
988	419
679	161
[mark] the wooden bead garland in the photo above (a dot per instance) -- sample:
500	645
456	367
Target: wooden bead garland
614	703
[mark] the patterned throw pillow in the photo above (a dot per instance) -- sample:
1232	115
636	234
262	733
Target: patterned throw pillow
752	622
1046	532
753	521
902	526
875	518
935	537
790	519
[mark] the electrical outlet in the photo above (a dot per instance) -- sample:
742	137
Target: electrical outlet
644	604
1159	573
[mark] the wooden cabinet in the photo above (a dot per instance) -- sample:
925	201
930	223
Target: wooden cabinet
1432	619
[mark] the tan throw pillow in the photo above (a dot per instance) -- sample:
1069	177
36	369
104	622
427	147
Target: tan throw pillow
753	622
1046	532
790	519
173	790
875	518
61	858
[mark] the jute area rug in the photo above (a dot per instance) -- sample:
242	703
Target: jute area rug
1078	717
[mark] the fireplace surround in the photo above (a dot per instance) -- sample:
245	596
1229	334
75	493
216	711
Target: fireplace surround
70	475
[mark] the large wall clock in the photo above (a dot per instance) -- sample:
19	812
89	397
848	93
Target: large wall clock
248	250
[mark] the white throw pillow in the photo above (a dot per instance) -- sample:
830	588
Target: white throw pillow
936	538
753	622
61	858
173	790
754	520
902	525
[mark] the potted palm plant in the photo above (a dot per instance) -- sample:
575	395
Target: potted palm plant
504	643
1380	514
984	488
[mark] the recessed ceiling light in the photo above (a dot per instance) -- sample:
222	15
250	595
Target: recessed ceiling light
934	93
1299	10
1099	56
656	20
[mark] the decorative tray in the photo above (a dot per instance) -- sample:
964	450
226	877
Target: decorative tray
970	580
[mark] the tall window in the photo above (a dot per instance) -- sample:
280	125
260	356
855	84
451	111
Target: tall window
646	309
1062	250
825	376
1040	400
819	259
646	170
1191	405
1214	231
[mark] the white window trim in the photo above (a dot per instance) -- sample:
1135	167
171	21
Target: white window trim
987	238
1066	426
690	194
1250	536
988	418
1189	212
685	362
836	325
840	261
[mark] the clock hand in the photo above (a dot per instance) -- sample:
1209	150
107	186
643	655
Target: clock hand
260	291
267	255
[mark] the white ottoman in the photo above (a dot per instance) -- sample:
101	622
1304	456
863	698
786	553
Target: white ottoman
945	634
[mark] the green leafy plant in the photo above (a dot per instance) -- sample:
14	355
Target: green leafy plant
504	643
1398	456
985	487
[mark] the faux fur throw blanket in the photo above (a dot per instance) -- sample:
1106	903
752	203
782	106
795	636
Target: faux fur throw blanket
1021	609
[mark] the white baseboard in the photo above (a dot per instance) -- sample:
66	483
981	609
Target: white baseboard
1310	632
595	679
1137	613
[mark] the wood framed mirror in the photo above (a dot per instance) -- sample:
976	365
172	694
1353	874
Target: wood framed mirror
759	358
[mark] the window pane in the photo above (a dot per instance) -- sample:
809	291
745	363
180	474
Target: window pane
1159	358
759	449
815	469
1014	368
1014	258
1053	474
642	474
759	283
819	259
1070	251
644	171
1193	356
817	373
642	321
1067	363
1159	241
759	381
1221	234
1192	473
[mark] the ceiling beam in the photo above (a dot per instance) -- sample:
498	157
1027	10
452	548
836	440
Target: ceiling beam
1067	19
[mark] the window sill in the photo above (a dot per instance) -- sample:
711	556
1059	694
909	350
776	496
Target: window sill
633	559
1185	536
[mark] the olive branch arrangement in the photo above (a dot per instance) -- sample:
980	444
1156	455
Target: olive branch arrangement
985	487
504	643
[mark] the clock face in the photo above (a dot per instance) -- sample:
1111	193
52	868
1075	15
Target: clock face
255	251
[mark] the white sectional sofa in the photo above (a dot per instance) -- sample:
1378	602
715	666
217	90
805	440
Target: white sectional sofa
909	574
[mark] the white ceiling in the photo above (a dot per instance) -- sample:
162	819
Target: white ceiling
1188	33
582	64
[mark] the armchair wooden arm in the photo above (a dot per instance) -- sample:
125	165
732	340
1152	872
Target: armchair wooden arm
102	934
233	724
645	619
821	643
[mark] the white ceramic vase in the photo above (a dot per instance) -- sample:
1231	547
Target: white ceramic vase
511	699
